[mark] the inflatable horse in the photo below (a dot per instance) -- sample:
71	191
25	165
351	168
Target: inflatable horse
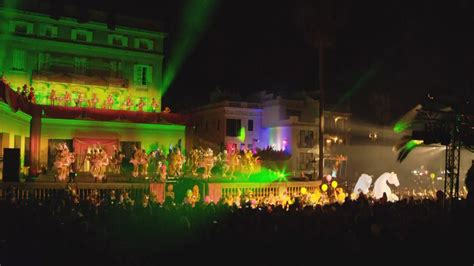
363	185
381	186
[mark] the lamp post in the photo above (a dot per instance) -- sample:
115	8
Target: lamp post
321	109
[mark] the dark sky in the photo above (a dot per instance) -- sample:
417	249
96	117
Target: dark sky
390	54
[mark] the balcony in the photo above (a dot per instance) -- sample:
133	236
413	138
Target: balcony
66	75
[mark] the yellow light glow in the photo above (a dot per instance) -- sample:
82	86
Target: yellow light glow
324	187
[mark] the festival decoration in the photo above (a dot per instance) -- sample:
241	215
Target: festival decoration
362	185
381	186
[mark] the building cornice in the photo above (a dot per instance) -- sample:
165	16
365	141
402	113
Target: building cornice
85	47
67	21
19	115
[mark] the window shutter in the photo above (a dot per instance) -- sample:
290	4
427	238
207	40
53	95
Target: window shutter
29	28
149	75
89	36
12	26
40	61
137	71
42	30
18	59
54	31
125	41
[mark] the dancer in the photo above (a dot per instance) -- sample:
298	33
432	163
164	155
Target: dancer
93	101
31	95
154	105
141	104
52	97
79	100
127	104
109	101
67	98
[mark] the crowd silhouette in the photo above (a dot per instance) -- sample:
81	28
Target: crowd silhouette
119	230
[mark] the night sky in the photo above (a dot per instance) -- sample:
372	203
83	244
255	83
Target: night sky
386	55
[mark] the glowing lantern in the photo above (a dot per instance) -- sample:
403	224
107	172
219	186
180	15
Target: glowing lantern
334	184
324	187
328	178
304	191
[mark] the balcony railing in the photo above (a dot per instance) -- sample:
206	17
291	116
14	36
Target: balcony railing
44	191
261	190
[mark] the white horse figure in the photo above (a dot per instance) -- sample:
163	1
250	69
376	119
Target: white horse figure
363	184
381	186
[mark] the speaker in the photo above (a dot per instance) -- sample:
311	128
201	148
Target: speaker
11	165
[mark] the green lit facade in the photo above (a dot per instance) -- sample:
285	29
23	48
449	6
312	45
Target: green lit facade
82	58
123	60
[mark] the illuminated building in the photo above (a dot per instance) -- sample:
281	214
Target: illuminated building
82	58
290	125
65	55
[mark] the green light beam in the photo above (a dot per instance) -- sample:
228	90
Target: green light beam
368	75
196	14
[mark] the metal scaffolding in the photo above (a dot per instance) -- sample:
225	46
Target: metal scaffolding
453	160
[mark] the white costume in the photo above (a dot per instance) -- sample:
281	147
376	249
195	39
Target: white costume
363	184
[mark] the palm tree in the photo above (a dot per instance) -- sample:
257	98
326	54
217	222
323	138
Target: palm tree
319	21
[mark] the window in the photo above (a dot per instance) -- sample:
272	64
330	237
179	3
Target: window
80	65
118	40
305	161
18	60
306	138
233	127
116	69
49	31
43	61
144	44
21	27
290	112
142	75
81	35
250	125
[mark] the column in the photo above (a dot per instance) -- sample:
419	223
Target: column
35	139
